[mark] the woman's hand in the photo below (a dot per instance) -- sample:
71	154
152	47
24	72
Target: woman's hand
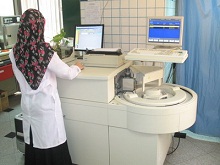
80	65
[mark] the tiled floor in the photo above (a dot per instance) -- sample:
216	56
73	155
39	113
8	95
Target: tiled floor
9	155
189	152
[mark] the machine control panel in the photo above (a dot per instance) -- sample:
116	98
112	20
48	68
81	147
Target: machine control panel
10	19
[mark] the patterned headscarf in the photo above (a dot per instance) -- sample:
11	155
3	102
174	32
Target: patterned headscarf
32	54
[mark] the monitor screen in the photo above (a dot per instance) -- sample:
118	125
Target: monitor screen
88	37
165	31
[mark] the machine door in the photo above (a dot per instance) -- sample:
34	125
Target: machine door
10	35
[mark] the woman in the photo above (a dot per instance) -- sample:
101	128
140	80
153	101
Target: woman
36	67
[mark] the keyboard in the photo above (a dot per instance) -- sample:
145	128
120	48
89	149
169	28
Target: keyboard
157	55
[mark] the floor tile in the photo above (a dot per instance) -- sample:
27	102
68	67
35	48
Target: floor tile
7	146
216	154
204	145
10	135
19	158
4	117
8	160
201	160
186	151
5	128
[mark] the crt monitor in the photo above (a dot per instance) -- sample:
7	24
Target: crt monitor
165	31
88	37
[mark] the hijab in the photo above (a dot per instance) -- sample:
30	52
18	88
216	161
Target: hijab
32	54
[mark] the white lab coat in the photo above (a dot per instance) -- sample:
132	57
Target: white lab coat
41	108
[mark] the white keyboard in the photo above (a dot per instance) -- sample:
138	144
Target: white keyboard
157	55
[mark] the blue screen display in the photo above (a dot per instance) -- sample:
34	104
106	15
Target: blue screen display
164	31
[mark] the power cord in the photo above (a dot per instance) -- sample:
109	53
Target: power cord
177	135
174	149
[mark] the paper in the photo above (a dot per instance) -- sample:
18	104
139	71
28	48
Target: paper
92	13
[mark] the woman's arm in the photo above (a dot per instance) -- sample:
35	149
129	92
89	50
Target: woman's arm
62	70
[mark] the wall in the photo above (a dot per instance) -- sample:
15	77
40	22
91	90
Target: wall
71	15
125	21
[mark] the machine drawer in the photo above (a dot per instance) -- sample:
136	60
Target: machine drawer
6	72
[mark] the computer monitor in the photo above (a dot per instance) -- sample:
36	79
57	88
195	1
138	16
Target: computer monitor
88	37
165	31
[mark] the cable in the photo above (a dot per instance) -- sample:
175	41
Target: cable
103	11
174	149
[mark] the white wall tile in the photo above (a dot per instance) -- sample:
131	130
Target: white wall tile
108	30
115	4
108	13
82	13
108	38
116	30
142	3
115	22
151	12
160	3
82	20
107	4
133	4
133	12
107	21
132	46
142	12
160	12
133	30
108	45
142	30
134	39
82	5
125	39
125	30
142	22
133	22
125	22
116	38
115	13
126	47
142	39
141	45
124	13
151	3
116	45
124	4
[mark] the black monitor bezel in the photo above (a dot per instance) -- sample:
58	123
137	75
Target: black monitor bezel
83	25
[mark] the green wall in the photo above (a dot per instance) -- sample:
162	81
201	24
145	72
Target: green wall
71	15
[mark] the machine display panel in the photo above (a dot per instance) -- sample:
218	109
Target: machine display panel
167	31
88	37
